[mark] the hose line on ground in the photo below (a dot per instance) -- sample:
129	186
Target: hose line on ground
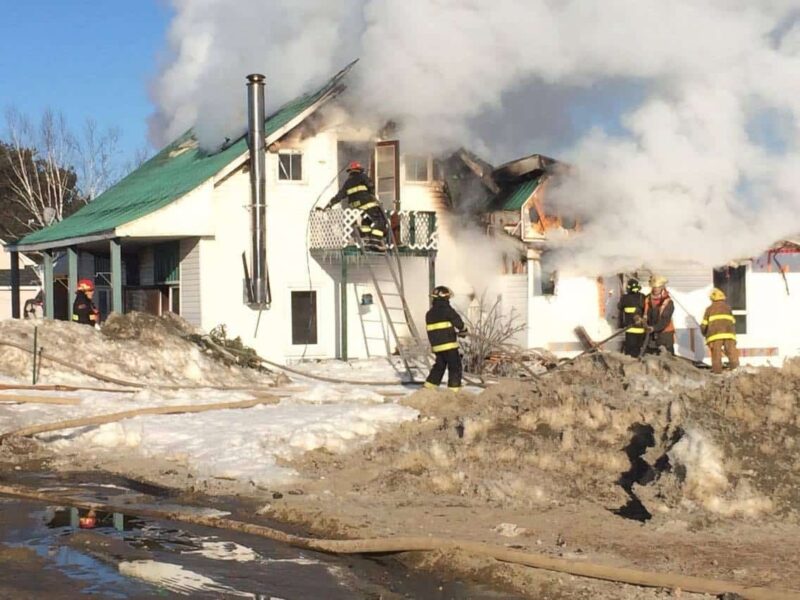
580	568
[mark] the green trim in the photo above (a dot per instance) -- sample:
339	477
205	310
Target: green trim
343	309
72	273
115	250
49	306
514	197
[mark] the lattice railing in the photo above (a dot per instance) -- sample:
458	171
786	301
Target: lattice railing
333	229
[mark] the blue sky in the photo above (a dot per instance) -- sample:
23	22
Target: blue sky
84	58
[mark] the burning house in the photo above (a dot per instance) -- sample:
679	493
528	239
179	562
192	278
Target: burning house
230	237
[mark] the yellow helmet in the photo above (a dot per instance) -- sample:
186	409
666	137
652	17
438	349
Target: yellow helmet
658	281
717	294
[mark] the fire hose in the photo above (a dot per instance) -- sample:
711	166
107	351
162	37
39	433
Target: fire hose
580	568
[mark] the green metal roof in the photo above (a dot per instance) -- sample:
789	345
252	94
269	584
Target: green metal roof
513	197
169	175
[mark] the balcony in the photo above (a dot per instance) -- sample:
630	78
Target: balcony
414	232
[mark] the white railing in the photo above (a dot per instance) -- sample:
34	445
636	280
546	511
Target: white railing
334	229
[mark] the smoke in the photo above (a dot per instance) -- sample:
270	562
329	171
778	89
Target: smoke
682	119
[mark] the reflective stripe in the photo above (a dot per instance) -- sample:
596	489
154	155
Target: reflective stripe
377	233
356	189
439	325
365	228
430	386
367	205
454	389
630	309
704	323
720	336
447	346
730	318
635	330
75	317
93	317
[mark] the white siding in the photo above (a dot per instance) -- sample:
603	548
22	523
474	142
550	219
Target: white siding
190	281
514	290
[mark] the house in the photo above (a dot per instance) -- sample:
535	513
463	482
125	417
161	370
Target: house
763	291
230	238
29	284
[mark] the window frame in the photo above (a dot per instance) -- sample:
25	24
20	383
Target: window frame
291	153
427	159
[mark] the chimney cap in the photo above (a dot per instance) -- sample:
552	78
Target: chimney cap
255	78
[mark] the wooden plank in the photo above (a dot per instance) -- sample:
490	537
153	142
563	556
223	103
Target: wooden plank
19	399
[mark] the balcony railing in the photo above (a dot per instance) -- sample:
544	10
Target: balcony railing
334	230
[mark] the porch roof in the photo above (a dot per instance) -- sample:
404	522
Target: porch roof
172	173
514	196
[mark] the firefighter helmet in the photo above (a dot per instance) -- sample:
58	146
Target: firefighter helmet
354	166
633	285
717	294
85	285
658	281
441	291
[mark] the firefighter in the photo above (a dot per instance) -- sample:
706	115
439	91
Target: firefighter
719	328
444	327
359	192
83	309
658	309
631	316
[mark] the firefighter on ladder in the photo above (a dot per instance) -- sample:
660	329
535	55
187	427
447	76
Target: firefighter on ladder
719	328
359	192
631	317
444	326
658	310
83	309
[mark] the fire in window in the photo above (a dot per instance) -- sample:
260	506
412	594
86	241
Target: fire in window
290	166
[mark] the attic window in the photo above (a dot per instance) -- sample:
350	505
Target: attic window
417	168
290	165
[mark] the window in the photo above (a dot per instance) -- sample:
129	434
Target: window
732	281
544	280
290	165
175	299
304	318
417	168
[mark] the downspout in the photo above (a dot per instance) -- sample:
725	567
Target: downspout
260	295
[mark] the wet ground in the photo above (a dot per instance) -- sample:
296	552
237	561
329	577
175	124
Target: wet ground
64	552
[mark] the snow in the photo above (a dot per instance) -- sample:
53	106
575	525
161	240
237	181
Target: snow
247	445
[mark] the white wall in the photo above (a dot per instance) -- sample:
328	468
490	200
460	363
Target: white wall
25	293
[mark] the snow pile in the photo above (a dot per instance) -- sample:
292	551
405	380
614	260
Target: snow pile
700	462
151	352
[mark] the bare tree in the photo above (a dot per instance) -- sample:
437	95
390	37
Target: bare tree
53	171
97	154
490	332
42	183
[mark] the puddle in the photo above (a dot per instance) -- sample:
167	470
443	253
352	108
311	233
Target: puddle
115	555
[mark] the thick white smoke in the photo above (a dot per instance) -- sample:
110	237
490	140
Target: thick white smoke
697	160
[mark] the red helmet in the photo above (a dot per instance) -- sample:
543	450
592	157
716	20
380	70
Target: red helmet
86	285
355	166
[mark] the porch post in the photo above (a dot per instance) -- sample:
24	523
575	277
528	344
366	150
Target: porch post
116	275
15	285
431	275
72	274
343	307
49	305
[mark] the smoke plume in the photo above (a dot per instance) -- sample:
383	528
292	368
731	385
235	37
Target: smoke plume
681	119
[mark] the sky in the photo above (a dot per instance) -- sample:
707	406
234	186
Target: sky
86	58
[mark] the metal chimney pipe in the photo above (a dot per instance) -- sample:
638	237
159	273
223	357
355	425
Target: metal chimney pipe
258	208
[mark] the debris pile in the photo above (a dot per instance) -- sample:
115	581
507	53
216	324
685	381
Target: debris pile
641	438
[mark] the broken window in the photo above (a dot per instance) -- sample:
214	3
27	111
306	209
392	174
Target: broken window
732	281
304	318
417	168
290	165
387	165
544	280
